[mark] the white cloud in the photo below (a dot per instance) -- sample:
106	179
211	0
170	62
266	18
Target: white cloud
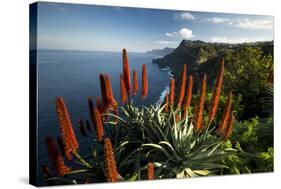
217	20
255	24
235	40
184	16
166	42
266	23
184	33
171	34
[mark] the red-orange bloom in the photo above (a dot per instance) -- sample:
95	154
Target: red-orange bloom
111	172
103	90
226	114
109	94
216	93
126	72
91	107
122	89
198	115
228	130
172	91
55	157
67	132
188	96
167	102
135	82
99	104
98	124
144	82
150	171
182	87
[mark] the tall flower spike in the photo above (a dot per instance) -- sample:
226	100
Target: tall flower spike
103	91
167	102
66	129
135	82
99	104
188	96
91	107
98	125
172	91
122	89
109	94
55	157
111	172
126	72
150	171
198	115
226	114
182	87
228	130
216	93
144	82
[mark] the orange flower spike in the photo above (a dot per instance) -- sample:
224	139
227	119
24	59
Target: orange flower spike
103	91
172	91
198	116
150	171
66	129
109	94
182	87
167	102
188	96
216	93
135	83
91	107
144	82
122	89
99	104
126	72
228	130
226	114
98	125
111	172
55	157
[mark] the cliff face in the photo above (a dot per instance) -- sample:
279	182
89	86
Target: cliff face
202	57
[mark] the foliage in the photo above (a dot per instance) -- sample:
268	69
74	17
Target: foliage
246	74
254	141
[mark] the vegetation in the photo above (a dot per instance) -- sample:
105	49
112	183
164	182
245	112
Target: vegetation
189	135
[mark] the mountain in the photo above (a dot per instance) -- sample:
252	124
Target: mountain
203	57
160	52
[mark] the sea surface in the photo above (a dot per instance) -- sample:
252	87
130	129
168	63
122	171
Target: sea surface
74	75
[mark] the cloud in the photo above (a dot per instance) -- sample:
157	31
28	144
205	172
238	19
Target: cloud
171	34
253	24
184	33
217	20
184	16
235	40
166	42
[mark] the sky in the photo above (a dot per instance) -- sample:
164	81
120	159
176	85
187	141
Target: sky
106	28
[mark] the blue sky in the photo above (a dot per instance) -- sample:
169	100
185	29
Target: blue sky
105	28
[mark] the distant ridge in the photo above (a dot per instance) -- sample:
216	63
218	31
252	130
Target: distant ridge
160	52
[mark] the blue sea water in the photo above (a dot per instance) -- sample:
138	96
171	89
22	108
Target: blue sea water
74	75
